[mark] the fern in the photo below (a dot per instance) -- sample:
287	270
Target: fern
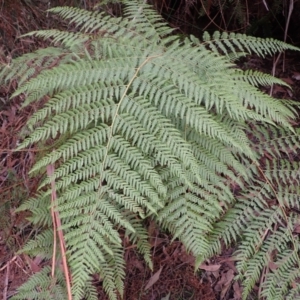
265	216
147	124
42	286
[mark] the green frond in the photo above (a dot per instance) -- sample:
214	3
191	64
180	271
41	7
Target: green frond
41	245
42	286
269	255
228	43
79	142
66	39
257	78
29	64
40	209
274	141
139	236
277	283
93	22
294	293
146	21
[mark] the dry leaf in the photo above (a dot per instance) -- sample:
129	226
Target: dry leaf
136	264
34	264
296	229
166	298
296	75
230	264
278	89
227	282
272	266
210	268
153	279
287	80
237	290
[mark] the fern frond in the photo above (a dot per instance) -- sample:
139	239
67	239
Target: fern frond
42	286
232	42
147	124
42	245
257	78
30	64
67	39
274	141
277	284
40	209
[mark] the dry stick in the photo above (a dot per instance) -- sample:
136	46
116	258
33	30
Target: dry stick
57	227
275	62
291	7
262	279
211	20
222	15
50	171
6	282
266	5
10	261
247	13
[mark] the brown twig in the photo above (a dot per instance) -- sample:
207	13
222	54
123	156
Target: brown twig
9	262
291	8
57	228
6	281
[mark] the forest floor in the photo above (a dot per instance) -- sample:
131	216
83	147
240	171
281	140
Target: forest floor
173	276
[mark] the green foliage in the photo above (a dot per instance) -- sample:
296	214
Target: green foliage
42	286
147	124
